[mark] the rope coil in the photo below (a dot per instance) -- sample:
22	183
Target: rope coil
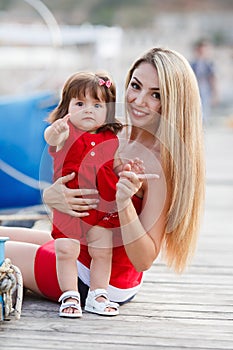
11	281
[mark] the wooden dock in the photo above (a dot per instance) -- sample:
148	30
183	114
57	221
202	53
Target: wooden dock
193	311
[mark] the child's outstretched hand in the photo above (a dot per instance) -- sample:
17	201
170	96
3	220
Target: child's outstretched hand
137	165
60	125
56	133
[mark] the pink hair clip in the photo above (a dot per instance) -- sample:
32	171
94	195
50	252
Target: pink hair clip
106	83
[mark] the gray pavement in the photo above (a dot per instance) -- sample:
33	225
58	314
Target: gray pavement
219	154
216	237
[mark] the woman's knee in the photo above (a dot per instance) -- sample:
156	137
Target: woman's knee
15	251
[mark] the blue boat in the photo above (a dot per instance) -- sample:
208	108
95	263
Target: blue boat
25	166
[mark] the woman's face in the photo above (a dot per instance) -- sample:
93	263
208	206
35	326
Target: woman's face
143	96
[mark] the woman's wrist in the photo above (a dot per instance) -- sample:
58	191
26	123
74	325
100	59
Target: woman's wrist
123	204
131	228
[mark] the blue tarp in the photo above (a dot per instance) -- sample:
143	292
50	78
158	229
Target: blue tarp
24	160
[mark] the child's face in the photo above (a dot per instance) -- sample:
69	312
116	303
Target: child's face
87	113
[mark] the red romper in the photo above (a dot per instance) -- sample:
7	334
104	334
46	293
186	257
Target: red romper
91	157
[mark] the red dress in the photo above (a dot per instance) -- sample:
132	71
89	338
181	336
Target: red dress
91	157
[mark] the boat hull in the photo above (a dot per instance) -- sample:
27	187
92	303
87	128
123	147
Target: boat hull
24	160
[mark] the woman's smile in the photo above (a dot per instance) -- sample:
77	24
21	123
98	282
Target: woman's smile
137	112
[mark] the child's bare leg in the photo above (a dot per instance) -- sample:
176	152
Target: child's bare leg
100	250
67	252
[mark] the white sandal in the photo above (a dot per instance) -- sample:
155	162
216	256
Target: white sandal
99	308
65	304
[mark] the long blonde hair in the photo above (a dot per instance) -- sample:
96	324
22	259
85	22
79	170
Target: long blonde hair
181	143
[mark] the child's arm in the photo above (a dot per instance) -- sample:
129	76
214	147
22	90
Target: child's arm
57	133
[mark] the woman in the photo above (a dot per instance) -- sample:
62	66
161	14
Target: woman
156	215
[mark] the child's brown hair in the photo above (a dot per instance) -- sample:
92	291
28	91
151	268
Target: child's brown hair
100	86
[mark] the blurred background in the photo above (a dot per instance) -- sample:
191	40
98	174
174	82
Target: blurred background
43	42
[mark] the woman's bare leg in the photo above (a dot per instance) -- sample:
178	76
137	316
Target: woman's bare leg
23	234
23	255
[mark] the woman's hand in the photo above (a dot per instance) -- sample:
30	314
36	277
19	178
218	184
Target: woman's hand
129	184
70	201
